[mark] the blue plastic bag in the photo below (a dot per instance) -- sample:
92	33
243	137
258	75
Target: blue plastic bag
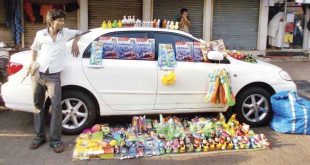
291	113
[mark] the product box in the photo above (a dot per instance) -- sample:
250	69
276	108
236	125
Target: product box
145	49
184	51
96	53
217	45
125	48
166	57
198	56
109	47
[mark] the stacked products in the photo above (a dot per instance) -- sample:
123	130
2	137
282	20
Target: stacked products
146	137
131	21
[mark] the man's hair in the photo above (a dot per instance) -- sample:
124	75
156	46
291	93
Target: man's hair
183	10
54	14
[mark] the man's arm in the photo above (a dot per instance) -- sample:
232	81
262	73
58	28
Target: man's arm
185	21
34	55
188	22
75	48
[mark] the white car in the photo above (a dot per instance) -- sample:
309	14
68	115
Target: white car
119	87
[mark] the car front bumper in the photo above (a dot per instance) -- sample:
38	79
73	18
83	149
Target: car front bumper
288	86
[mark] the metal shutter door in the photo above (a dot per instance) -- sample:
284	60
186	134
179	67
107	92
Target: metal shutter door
32	28
170	10
236	22
5	32
100	10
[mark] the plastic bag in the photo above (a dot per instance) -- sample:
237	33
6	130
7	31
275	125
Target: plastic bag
291	113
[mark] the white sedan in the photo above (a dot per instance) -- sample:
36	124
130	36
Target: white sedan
119	87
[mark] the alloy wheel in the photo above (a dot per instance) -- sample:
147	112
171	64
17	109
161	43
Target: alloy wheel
74	113
255	108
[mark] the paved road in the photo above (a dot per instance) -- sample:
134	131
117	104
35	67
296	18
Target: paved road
16	131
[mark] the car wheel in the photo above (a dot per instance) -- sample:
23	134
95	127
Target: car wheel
253	107
78	112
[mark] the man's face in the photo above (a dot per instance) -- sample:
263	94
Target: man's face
58	24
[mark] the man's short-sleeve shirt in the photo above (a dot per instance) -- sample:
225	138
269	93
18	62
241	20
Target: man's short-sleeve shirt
52	54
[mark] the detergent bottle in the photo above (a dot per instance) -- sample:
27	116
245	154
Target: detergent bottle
109	24
104	25
119	24
114	25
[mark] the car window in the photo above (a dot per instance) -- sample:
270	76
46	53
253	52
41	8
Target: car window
169	38
182	42
133	37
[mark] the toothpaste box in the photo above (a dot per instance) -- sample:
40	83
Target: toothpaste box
109	47
217	45
184	51
125	48
96	53
145	48
197	51
166	57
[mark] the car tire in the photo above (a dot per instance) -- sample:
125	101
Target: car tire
253	107
78	112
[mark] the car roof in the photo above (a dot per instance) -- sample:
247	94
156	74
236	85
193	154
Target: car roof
102	31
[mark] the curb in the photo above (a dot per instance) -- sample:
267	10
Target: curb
285	58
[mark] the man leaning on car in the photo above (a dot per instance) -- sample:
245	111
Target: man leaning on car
48	60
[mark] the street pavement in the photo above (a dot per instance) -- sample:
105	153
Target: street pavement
16	132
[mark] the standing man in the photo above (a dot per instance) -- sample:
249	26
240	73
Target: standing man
184	20
48	58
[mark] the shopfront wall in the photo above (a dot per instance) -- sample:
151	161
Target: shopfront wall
170	10
32	28
100	10
236	22
5	32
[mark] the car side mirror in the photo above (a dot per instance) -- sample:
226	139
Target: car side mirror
215	55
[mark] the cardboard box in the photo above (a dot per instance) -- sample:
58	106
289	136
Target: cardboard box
125	48
109	47
145	49
184	51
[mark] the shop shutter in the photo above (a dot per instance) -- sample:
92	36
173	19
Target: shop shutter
100	10
236	22
170	10
32	28
5	32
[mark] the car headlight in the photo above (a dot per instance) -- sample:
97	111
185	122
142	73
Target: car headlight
285	76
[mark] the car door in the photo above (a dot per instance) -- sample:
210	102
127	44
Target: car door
189	90
124	84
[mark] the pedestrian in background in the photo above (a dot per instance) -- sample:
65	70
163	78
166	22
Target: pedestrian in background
184	20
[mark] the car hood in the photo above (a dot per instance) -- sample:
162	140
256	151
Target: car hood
255	66
256	72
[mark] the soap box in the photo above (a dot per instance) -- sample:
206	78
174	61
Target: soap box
109	47
184	51
145	49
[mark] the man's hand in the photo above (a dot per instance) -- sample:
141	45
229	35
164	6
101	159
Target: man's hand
75	48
